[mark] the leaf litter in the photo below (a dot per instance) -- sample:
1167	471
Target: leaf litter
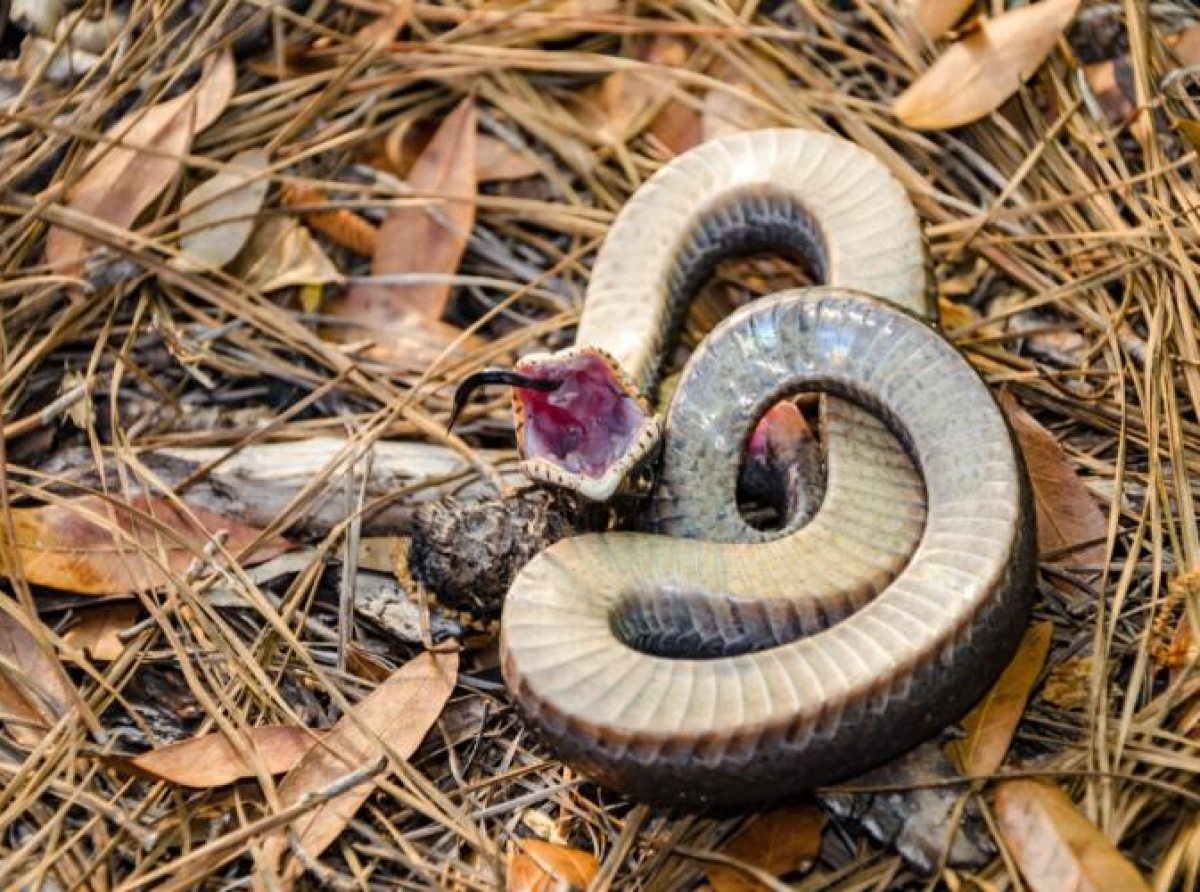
1059	229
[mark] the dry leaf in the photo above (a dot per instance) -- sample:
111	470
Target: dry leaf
1067	514
497	161
76	546
281	254
217	216
726	112
1057	848
420	240
96	633
1068	686
212	761
119	182
546	867
400	711
990	726
33	687
1185	45
939	16
976	75
384	29
1113	88
779	842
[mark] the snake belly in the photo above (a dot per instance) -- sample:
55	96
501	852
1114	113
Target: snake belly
717	663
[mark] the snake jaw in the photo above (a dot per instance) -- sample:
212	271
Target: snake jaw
592	432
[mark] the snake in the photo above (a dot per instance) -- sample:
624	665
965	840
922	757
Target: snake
703	661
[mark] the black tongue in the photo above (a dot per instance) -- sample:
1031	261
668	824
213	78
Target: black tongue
467	387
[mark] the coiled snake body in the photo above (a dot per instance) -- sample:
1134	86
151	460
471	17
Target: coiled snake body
712	662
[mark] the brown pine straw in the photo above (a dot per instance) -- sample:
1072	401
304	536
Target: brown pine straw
1066	242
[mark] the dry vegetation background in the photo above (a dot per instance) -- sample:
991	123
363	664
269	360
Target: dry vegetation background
248	247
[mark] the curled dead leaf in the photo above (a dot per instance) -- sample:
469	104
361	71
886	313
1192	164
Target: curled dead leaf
94	547
280	254
781	841
212	761
1055	846
97	631
33	687
217	216
423	240
119	181
990	726
1068	518
400	711
938	16
545	867
979	72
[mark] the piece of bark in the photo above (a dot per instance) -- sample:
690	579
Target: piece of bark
256	485
916	822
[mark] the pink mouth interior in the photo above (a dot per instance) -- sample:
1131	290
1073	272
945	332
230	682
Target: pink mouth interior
587	424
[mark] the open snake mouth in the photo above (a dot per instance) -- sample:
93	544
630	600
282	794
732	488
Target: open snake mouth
588	432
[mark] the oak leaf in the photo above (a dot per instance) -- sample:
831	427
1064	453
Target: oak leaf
94	547
399	713
33	687
1055	847
990	726
938	16
217	216
424	239
778	842
1068	516
978	73
545	867
98	629
212	761
120	181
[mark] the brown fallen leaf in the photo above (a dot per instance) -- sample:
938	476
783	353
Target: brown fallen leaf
400	711
1068	686
976	75
421	240
546	867
726	112
990	726
497	161
781	841
33	686
119	182
1185	45
93	547
98	629
384	29
1056	848
938	16
212	761
677	126
217	216
282	254
1067	514
1113	86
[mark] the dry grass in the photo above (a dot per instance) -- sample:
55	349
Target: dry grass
1071	242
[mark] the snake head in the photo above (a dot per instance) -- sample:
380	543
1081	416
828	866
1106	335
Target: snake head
591	432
